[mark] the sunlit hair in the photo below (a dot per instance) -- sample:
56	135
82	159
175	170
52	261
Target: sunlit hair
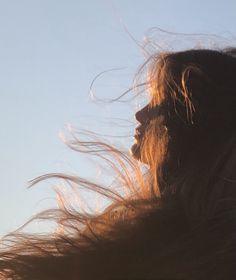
178	220
195	91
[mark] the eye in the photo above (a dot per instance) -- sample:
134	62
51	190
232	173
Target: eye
155	111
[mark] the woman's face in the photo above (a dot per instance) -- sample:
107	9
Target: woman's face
144	117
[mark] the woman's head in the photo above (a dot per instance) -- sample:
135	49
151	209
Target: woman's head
191	114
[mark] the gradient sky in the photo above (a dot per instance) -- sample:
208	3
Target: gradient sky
50	52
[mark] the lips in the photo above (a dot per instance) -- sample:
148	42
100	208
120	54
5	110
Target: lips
138	136
139	131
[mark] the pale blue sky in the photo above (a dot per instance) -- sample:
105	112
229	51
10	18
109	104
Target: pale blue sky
50	51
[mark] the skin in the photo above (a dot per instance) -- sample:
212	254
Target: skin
144	116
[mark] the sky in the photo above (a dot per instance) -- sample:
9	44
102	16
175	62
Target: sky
51	51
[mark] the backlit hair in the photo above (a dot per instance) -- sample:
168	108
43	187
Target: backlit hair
178	221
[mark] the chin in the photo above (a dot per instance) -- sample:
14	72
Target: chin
136	151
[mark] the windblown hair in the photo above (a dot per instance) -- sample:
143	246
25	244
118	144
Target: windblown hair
178	221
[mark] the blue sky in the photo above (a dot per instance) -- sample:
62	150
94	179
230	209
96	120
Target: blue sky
50	52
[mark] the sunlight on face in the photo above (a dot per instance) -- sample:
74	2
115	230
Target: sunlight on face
144	117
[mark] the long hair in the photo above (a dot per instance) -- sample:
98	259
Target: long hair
178	221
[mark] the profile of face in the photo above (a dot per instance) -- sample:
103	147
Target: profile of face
144	117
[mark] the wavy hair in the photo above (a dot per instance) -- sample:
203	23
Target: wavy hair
177	221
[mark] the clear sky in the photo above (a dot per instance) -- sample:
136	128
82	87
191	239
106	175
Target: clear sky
50	52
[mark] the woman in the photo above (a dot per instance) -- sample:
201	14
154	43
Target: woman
179	221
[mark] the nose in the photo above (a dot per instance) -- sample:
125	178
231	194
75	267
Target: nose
142	115
149	113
